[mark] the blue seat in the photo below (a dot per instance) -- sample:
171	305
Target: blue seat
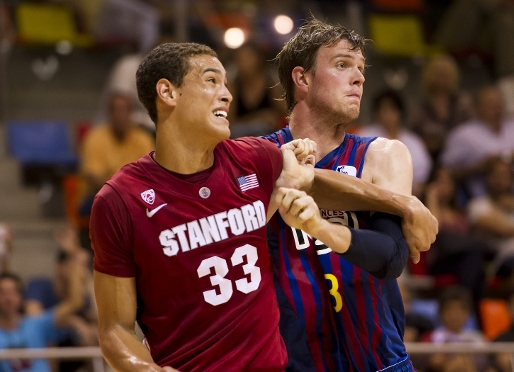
40	143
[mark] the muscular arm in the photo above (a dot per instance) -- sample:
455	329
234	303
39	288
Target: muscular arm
116	299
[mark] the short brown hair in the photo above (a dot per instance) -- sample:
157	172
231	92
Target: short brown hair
302	50
167	61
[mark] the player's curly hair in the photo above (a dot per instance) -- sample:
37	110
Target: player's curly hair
167	61
302	49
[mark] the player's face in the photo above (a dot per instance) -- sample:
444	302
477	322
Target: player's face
10	297
204	99
336	82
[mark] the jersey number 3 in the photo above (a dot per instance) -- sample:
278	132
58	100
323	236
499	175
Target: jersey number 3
225	287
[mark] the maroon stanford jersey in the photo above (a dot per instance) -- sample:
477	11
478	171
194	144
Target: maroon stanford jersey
198	251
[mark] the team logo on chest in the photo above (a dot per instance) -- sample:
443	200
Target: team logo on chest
347	169
148	196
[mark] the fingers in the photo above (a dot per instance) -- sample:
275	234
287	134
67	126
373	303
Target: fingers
296	207
301	148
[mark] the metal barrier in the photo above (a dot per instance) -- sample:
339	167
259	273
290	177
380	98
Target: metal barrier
93	353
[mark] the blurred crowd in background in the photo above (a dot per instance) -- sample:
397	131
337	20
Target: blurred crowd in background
440	78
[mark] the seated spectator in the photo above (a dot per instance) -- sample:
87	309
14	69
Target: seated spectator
443	106
34	331
470	146
389	113
44	293
5	248
483	27
493	214
255	109
456	250
454	311
108	147
416	325
503	361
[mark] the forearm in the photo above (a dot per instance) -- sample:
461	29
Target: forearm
382	251
336	191
124	352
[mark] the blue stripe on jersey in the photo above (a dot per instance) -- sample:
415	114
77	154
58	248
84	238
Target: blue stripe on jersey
296	293
292	280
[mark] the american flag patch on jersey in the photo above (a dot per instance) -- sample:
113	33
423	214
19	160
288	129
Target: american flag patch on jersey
248	182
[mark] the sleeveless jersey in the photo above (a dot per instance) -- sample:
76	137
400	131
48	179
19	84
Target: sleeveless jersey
360	327
204	276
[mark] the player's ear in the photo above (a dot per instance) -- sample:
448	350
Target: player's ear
300	79
166	92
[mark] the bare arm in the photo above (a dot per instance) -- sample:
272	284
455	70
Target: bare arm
116	298
74	300
388	164
495	223
385	187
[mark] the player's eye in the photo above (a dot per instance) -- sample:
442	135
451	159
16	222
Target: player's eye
212	80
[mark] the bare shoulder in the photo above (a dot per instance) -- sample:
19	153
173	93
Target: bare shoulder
388	162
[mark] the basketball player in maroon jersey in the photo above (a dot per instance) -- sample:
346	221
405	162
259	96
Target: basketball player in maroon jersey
179	236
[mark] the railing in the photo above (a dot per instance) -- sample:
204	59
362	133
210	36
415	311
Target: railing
95	354
92	353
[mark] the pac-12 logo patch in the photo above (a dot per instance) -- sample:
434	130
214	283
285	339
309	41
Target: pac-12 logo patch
347	169
148	196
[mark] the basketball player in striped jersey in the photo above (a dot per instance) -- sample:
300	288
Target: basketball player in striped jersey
341	310
180	235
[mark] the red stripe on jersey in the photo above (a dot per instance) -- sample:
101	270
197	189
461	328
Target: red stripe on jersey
377	332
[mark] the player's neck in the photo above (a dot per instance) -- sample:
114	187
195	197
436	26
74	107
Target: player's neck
327	137
182	156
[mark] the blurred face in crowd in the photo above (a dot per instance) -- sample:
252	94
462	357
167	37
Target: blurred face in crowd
455	315
499	179
336	82
491	106
443	76
445	185
10	297
388	116
203	101
120	112
249	61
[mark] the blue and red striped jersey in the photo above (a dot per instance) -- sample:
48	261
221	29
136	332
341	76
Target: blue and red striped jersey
350	320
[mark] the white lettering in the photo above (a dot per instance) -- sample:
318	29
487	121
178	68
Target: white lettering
251	222
214	228
179	230
261	212
170	245
235	219
195	235
209	229
221	221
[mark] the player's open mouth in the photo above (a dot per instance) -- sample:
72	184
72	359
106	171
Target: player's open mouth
220	114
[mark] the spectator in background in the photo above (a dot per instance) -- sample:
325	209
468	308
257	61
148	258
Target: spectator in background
493	214
443	106
456	251
480	26
416	325
470	146
5	248
110	146
454	311
503	361
255	109
389	113
19	331
44	293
